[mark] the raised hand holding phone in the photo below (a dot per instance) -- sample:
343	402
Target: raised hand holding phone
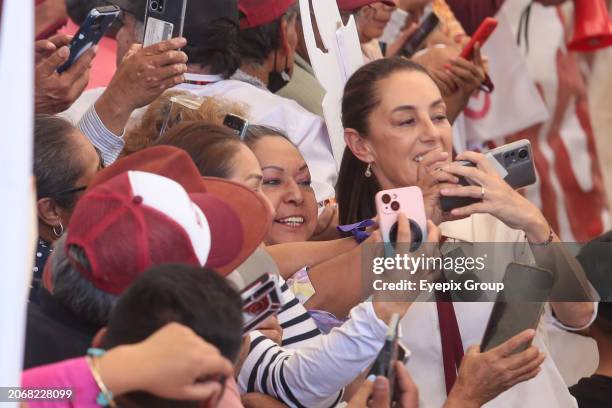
55	92
92	30
143	75
483	376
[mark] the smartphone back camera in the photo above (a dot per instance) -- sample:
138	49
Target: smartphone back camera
391	205
157	6
515	156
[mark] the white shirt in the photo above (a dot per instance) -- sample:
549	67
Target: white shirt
306	130
313	375
421	332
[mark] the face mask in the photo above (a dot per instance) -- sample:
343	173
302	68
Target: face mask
278	80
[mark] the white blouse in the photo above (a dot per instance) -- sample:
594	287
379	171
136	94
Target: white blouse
421	331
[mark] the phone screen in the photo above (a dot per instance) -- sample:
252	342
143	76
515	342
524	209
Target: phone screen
520	306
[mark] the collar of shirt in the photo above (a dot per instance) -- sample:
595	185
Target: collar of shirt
242	76
201	79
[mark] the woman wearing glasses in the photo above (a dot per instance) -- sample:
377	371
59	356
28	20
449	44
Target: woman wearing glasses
64	162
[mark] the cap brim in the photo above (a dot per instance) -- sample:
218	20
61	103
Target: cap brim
167	161
252	210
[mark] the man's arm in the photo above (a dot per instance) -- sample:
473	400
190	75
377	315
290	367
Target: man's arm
109	144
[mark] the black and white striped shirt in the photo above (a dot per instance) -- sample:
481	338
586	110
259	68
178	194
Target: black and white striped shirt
311	369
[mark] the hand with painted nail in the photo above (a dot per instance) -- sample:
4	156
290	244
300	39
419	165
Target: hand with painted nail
483	376
54	92
375	391
143	75
456	77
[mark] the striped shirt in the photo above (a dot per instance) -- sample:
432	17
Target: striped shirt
311	369
109	144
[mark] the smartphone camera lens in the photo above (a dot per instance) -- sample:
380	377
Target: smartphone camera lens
154	6
386	198
523	154
395	206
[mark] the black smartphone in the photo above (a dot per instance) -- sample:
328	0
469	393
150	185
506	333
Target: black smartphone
520	306
237	123
430	22
391	352
98	21
260	299
164	19
515	158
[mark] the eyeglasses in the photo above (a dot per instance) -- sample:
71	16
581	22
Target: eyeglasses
74	190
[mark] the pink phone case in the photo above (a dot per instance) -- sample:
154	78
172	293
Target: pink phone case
407	200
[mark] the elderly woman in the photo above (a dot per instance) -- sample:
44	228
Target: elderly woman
64	162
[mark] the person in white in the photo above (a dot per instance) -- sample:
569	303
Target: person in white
405	140
266	62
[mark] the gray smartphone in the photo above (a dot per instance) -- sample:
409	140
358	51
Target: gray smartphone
520	306
164	19
516	158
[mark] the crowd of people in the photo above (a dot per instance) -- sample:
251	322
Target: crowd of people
151	208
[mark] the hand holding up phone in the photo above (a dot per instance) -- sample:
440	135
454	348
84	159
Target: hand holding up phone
376	393
383	306
483	376
55	92
144	74
496	197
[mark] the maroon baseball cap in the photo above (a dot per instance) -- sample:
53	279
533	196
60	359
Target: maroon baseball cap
259	12
252	210
346	5
136	220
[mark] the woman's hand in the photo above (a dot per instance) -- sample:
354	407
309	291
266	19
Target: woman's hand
483	376
498	198
431	180
458	79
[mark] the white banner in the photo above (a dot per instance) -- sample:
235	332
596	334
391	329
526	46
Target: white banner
17	242
515	104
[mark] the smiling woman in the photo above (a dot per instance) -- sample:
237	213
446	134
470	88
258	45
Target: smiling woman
286	183
395	137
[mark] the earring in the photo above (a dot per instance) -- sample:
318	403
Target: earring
368	171
61	230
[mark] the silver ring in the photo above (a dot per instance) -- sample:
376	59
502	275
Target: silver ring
482	193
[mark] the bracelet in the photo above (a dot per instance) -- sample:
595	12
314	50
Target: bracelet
105	398
551	236
357	229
